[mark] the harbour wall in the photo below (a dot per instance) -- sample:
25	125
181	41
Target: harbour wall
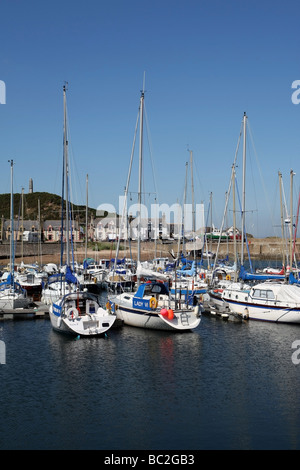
29	249
259	248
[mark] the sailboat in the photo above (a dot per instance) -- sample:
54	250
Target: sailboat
77	312
152	305
12	295
267	301
270	300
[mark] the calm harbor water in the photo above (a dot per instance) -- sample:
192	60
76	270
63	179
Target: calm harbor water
223	386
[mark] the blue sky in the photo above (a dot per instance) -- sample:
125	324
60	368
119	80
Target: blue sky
205	63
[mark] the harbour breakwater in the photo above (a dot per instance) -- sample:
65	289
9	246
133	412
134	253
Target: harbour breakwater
259	248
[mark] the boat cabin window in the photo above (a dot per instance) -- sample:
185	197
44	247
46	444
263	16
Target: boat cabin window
263	294
158	288
150	288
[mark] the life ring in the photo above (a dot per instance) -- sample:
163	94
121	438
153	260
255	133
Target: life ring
228	277
153	303
72	313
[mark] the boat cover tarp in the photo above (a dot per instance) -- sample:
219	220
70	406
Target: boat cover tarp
293	280
285	293
70	276
246	276
149	273
187	272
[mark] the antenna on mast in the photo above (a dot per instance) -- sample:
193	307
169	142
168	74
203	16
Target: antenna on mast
144	80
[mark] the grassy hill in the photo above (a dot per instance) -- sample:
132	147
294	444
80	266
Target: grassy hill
50	206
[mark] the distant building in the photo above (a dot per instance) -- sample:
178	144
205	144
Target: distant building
19	228
50	231
107	229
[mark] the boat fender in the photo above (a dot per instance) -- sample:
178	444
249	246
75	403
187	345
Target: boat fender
153	303
170	314
164	312
72	313
246	314
58	322
196	310
201	297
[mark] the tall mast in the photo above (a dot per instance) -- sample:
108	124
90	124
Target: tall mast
291	219
39	233
244	188
12	261
127	229
234	222
86	214
193	202
181	225
22	215
211	222
295	231
184	208
66	172
281	217
192	184
140	169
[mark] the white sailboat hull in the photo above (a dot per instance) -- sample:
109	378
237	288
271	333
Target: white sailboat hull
79	314
266	312
267	302
157	321
183	320
96	325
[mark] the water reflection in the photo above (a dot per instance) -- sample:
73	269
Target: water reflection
222	386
